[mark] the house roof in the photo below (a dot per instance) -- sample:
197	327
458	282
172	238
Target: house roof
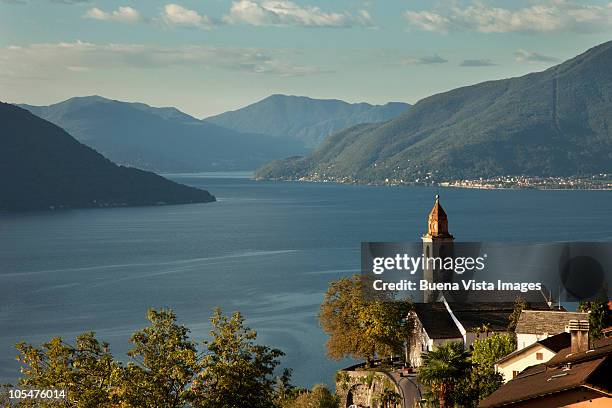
436	321
600	347
554	343
557	342
563	372
546	321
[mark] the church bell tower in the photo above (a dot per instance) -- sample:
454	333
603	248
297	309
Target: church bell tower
437	243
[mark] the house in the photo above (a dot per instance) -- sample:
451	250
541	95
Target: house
537	353
536	325
577	376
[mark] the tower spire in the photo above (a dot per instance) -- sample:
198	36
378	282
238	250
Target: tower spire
437	222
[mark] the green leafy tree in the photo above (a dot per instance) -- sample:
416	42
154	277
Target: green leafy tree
237	372
86	371
600	316
319	397
486	351
164	363
483	379
442	369
360	327
165	369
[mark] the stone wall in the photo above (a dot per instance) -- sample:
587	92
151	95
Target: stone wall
363	387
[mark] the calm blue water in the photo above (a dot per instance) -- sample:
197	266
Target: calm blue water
266	249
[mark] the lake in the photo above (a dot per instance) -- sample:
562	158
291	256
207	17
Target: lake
268	249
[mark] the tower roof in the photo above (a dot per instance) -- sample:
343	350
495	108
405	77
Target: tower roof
437	212
437	222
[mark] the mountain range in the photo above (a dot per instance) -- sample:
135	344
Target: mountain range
43	167
305	119
557	122
168	140
161	139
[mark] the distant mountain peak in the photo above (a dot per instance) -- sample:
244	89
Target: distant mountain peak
303	118
555	122
160	139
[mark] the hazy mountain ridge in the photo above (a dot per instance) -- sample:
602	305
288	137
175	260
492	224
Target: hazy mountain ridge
305	119
161	139
555	122
42	167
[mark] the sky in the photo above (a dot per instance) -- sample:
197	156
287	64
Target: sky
209	56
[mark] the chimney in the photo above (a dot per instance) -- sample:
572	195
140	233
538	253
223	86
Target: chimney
579	332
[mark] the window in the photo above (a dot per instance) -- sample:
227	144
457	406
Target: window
539	356
514	374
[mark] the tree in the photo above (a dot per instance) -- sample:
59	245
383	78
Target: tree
164	364
360	327
600	316
486	351
237	372
519	306
319	397
85	371
165	369
442	369
483	379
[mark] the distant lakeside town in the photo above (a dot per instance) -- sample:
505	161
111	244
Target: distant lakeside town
594	182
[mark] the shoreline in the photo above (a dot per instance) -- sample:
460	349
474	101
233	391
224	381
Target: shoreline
441	184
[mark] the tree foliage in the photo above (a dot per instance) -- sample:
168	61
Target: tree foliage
360	327
164	363
442	369
483	379
237	372
600	316
86	370
319	397
486	351
165	369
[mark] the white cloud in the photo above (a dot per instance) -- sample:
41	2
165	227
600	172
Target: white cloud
287	13
533	57
53	59
123	14
176	15
544	16
428	21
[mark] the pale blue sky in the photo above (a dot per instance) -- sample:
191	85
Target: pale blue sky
209	56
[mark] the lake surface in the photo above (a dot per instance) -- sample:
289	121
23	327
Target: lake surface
267	249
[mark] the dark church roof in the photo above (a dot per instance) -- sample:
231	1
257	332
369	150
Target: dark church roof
436	321
439	324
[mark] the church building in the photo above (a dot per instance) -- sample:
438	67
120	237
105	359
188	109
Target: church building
440	318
